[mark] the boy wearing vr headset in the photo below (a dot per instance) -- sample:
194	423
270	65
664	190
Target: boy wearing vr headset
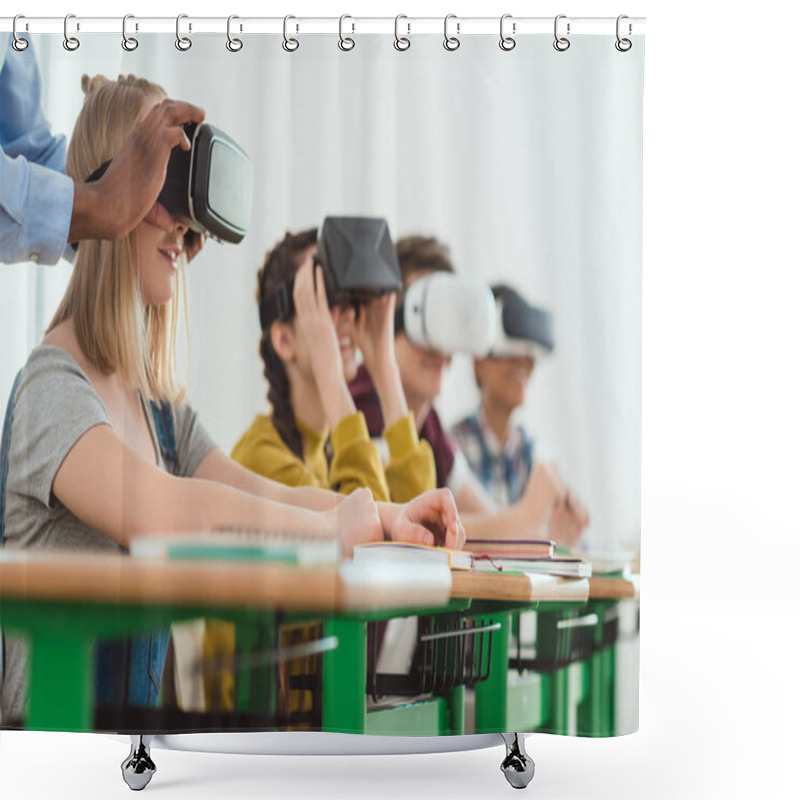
500	453
440	313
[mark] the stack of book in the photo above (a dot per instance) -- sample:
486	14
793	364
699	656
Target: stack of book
483	555
525	555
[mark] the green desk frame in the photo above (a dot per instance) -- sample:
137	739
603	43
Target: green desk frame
62	635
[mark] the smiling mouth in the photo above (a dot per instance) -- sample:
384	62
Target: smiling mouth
171	256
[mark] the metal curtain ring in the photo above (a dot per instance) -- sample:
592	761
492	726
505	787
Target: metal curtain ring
233	44
507	42
20	43
451	42
401	42
561	43
623	45
71	43
289	44
182	42
128	42
346	42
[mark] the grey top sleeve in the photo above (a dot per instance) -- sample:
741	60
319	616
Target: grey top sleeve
191	440
56	404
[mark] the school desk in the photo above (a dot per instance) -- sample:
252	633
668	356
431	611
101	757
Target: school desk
64	602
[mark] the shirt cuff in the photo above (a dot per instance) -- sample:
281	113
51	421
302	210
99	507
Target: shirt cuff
47	216
350	429
402	437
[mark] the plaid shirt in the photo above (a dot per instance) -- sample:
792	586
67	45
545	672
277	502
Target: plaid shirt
502	471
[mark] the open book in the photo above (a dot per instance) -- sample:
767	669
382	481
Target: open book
411	553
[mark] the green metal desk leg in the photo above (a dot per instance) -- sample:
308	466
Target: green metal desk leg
610	693
596	711
591	709
560	700
491	695
57	662
455	709
344	678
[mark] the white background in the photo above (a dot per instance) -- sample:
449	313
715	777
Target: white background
719	695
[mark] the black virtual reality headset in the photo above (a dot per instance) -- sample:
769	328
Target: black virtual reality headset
358	260
522	329
209	187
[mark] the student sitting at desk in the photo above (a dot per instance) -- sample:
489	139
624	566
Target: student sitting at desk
546	508
498	448
85	470
309	355
313	435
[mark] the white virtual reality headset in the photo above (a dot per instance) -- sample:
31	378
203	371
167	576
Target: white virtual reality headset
448	313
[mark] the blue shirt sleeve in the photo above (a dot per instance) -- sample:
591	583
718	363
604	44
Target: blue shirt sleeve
35	196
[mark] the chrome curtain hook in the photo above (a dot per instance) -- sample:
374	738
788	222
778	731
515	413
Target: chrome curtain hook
20	42
561	43
128	42
451	42
71	43
182	42
233	44
401	42
623	45
346	42
507	42
289	44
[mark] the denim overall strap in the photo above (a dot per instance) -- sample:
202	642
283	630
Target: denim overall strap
147	654
131	670
165	426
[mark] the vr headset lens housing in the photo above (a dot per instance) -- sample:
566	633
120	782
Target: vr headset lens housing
522	329
211	185
209	188
359	262
448	313
358	257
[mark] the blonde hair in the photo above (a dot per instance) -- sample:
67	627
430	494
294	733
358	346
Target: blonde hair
115	329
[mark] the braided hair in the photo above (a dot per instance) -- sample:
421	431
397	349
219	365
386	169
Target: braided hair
280	264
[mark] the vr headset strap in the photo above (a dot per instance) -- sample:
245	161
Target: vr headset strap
278	306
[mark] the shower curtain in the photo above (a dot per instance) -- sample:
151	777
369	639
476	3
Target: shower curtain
525	162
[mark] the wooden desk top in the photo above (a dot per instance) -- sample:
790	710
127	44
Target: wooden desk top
116	578
532	588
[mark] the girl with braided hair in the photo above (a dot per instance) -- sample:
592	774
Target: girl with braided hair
313	434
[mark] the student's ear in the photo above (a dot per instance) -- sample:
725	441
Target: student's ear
282	338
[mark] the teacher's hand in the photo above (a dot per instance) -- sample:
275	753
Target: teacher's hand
114	205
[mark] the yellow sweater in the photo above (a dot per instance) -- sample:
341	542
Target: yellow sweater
356	462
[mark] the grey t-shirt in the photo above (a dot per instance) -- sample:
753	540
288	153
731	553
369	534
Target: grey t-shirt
55	405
